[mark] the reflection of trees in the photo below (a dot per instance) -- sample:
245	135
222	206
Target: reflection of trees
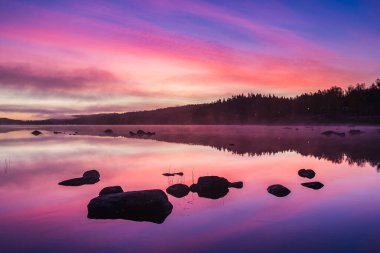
352	149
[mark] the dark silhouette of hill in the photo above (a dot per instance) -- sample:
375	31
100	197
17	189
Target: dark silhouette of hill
6	121
359	104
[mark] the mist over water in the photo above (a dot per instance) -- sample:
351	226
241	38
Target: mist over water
341	216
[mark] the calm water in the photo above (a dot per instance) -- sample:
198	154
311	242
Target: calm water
37	214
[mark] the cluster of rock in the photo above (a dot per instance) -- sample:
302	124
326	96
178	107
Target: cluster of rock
281	191
89	177
141	133
342	134
212	187
330	132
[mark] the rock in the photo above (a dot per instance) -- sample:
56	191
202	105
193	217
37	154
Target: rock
178	190
308	173
108	131
179	173
147	205
213	187
216	193
111	190
79	181
237	185
329	133
231	144
36	132
56	132
141	133
168	174
278	190
313	185
92	173
89	177
355	132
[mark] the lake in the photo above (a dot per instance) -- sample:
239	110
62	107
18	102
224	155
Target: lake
38	215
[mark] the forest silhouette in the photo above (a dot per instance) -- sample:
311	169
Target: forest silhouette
356	104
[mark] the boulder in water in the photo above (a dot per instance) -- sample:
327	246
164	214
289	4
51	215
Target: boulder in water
213	187
178	190
89	177
313	185
308	173
111	190
36	132
278	190
147	205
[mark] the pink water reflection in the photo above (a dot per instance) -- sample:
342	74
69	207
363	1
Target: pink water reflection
50	217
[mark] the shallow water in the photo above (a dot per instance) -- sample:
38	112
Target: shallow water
37	214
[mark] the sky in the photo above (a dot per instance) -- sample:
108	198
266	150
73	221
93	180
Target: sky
63	58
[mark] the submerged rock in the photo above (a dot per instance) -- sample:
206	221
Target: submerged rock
308	173
329	133
36	132
89	177
278	190
313	185
57	132
213	187
108	131
147	205
178	190
111	190
355	132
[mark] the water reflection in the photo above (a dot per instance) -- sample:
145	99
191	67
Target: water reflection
52	218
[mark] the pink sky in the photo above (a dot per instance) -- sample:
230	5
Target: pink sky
77	57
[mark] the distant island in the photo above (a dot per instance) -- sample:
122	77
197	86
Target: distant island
356	104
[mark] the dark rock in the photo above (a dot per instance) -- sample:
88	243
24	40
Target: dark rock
111	190
36	132
168	174
178	190
179	173
89	177
237	185
148	205
92	173
313	185
306	173
79	181
213	187
108	131
355	132
216	193
278	190
329	133
56	132
141	133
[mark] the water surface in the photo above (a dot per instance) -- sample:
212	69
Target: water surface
38	215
